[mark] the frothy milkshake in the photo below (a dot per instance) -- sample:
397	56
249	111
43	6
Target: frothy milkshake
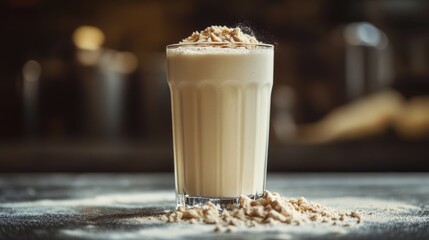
220	82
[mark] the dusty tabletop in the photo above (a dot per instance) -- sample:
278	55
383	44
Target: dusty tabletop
129	206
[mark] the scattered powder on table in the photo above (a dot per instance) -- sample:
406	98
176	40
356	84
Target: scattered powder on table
271	209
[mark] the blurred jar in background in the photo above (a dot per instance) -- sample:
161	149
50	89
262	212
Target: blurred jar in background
104	79
367	58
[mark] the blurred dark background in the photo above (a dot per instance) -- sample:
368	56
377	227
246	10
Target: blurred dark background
83	83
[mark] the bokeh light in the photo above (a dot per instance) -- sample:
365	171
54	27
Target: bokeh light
31	71
88	38
125	62
88	57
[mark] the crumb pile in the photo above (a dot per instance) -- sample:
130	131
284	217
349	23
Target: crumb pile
220	34
271	209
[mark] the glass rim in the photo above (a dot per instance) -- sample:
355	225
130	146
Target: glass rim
208	44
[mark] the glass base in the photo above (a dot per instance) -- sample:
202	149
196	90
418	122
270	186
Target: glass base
220	203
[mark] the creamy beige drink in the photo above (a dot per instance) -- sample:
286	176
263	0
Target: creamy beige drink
220	94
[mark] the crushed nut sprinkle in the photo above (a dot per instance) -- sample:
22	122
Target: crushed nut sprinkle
220	34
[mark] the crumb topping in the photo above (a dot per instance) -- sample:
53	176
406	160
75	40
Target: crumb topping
220	34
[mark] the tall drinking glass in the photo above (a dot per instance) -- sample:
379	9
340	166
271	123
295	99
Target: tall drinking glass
220	97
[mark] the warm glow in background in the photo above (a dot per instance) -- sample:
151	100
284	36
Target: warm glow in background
83	83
